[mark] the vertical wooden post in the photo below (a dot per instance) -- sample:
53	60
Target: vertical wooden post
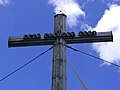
59	54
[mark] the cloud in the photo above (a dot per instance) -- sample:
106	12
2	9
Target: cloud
86	27
71	8
110	21
4	2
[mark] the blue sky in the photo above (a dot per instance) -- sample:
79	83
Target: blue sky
19	17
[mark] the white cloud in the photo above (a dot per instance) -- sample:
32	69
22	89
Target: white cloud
71	8
86	27
110	22
4	2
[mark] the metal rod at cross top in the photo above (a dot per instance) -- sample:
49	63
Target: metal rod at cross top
59	38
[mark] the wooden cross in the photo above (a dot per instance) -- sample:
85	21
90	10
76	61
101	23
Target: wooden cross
59	39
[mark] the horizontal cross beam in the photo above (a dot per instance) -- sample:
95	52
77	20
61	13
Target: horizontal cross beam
70	38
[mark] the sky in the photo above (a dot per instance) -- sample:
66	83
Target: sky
19	17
